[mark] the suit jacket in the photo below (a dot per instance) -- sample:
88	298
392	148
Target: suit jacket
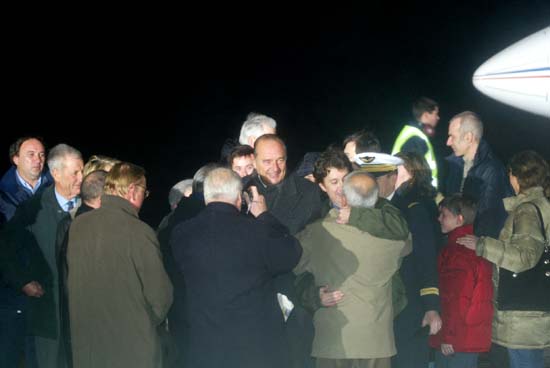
229	261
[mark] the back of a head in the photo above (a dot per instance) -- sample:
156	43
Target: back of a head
365	141
470	122
99	162
422	105
459	204
222	185
58	153
531	170
92	185
254	126
360	189
120	177
331	158
178	191
200	175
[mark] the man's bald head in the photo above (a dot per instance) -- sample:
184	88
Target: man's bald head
360	189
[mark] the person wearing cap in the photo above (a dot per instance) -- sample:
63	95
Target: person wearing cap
414	195
415	136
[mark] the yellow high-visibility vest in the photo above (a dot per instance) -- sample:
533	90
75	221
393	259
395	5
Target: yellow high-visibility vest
408	132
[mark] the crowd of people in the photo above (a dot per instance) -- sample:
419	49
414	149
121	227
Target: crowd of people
357	258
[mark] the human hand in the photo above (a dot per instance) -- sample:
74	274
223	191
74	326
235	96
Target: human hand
33	289
257	205
469	241
432	319
343	215
447	349
330	298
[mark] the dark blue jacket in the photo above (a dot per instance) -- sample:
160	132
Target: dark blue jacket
229	261
12	194
487	182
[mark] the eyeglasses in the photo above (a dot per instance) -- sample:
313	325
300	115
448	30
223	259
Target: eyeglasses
145	191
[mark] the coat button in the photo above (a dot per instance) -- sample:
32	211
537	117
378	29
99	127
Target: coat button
546	261
547	273
514	275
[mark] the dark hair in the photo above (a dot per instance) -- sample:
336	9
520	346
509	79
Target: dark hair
92	185
422	105
421	174
239	151
16	146
332	158
459	204
531	170
365	141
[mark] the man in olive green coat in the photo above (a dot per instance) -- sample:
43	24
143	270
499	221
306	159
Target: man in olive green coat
360	265
119	292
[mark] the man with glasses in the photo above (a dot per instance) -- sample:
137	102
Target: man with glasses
119	292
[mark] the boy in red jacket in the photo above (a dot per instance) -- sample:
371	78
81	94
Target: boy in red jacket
466	291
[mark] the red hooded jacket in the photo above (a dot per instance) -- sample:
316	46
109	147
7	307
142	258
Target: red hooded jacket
466	293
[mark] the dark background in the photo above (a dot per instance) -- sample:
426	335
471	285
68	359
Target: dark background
165	89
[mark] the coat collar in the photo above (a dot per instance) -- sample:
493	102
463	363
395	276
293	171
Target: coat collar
222	207
460	232
118	203
528	195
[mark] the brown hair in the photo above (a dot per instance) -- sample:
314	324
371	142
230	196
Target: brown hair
421	174
531	170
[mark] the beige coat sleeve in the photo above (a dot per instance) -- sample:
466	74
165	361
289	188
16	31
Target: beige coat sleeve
521	241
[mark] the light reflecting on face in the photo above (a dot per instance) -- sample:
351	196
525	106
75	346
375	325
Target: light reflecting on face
448	220
69	178
456	139
270	161
30	160
333	185
402	176
349	150
432	118
243	165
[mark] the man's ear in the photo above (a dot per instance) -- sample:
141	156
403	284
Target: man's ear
16	160
322	186
460	219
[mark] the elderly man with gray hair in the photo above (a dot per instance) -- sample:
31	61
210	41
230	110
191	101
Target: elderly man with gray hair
229	261
359	332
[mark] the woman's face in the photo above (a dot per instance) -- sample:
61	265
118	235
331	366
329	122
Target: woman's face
514	183
402	176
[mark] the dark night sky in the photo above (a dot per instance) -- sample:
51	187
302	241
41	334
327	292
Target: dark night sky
165	93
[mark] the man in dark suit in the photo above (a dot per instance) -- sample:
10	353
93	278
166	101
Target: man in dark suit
229	261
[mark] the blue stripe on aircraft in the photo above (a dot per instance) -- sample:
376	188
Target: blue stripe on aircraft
515	72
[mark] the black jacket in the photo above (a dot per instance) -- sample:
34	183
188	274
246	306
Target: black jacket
229	261
487	183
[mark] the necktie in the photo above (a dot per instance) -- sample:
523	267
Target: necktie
70	206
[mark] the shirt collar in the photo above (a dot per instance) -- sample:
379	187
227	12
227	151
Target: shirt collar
27	185
63	202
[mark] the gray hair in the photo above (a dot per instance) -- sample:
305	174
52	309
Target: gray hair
223	184
177	191
200	175
56	157
470	122
360	189
92	185
254	126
